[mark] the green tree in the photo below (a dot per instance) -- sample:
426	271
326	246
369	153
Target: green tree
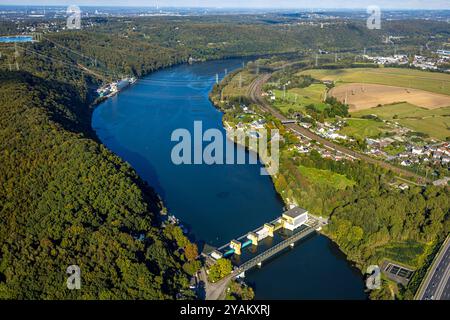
220	269
191	251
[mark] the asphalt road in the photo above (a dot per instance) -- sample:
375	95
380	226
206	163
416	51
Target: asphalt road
254	92
436	285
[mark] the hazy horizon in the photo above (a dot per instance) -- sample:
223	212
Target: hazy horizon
249	4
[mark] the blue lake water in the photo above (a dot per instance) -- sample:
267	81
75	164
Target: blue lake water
217	202
16	39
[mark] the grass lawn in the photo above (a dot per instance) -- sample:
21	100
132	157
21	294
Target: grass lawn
429	81
402	110
362	128
326	177
435	122
394	150
238	85
409	253
298	98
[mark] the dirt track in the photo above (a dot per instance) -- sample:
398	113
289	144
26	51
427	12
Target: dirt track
360	96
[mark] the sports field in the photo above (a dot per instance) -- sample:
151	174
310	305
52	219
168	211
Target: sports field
408	78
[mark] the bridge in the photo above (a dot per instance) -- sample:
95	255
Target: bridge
268	240
289	242
262	244
288	121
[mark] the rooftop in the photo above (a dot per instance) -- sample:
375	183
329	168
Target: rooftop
295	212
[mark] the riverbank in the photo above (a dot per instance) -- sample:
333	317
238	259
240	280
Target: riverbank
232	131
347	191
257	113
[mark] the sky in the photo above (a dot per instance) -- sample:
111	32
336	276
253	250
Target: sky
388	4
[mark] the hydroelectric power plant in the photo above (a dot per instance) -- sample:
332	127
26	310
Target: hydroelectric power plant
251	249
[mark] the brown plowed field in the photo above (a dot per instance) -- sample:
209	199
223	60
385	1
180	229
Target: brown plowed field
362	96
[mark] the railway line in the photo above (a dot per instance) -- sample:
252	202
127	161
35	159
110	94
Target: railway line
254	93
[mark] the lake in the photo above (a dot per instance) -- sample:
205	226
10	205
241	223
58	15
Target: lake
10	39
217	202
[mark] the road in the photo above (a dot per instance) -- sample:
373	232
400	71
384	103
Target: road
215	291
254	93
436	285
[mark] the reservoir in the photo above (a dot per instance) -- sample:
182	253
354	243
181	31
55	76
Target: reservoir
12	39
216	202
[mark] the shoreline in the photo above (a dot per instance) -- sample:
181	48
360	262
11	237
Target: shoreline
350	262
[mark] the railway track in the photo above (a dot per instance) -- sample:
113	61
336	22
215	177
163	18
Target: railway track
254	93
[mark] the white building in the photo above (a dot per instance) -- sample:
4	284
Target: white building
294	218
416	150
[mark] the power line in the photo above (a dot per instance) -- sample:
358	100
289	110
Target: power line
71	50
95	61
69	64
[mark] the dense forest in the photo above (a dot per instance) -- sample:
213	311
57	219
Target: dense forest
370	219
112	47
65	199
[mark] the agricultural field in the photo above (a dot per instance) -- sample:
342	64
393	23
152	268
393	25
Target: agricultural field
326	177
298	98
435	123
407	78
363	128
426	111
360	96
436	127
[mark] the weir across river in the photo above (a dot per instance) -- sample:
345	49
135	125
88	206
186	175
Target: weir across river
254	247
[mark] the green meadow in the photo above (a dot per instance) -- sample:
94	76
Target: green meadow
326	177
435	123
409	78
409	253
238	85
298	98
363	128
